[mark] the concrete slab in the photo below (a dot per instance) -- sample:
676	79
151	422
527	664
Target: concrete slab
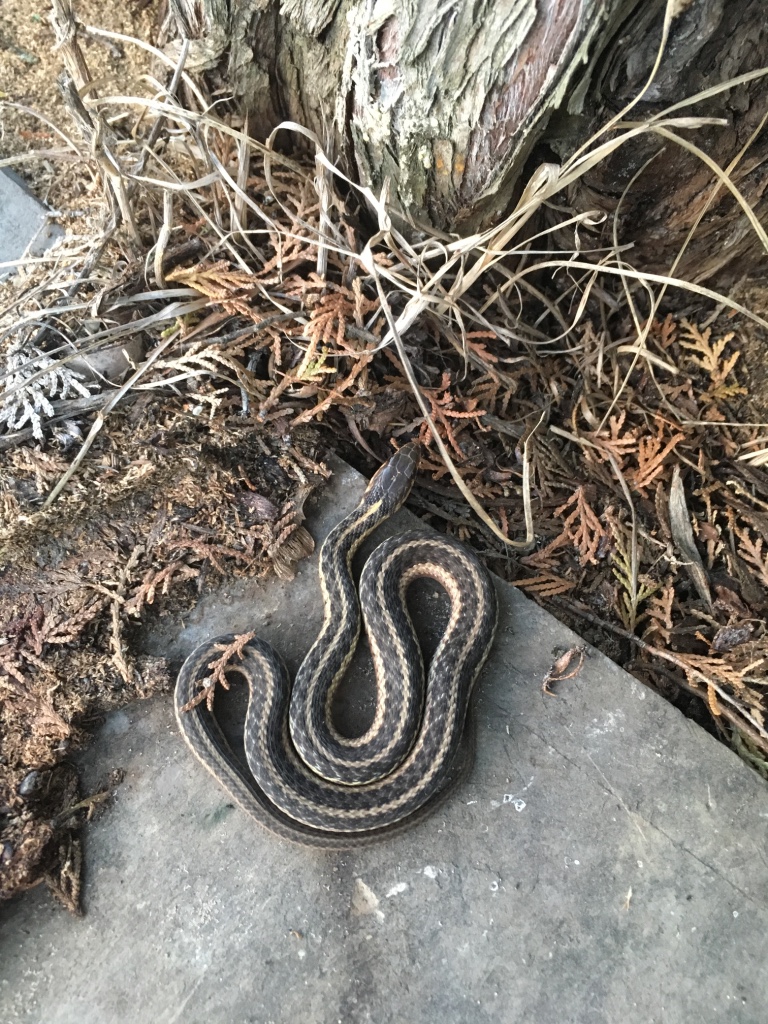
25	225
605	863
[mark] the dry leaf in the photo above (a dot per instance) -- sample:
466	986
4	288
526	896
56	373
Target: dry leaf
682	534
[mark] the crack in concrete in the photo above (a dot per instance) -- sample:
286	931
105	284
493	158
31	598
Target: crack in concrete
710	867
608	788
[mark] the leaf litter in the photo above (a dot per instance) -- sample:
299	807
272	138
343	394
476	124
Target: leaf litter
174	373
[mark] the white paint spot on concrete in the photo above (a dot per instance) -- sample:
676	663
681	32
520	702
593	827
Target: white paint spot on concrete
430	871
610	722
735	913
516	801
365	901
397	889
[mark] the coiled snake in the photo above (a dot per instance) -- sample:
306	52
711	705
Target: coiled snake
309	783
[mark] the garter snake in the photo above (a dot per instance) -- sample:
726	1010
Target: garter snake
309	783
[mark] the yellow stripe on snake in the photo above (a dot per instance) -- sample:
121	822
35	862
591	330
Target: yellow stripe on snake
308	783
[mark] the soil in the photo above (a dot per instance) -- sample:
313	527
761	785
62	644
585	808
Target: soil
151	481
753	294
31	104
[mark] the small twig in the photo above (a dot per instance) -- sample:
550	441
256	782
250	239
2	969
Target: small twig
163	238
96	133
102	415
530	538
88	803
64	24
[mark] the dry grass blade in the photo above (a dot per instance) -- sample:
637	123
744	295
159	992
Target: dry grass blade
442	448
682	534
98	422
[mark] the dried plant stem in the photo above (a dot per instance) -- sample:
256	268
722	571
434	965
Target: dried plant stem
62	19
102	415
530	537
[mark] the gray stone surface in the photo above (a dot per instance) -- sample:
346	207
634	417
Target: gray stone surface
25	225
604	864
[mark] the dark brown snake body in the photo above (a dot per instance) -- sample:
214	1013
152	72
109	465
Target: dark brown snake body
309	783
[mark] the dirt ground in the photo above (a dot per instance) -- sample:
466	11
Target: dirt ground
30	67
147	470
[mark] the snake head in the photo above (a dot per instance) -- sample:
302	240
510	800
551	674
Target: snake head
392	482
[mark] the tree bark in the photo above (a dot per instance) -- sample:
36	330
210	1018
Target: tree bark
447	102
711	42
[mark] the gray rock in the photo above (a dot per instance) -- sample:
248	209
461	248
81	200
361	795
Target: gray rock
605	863
25	226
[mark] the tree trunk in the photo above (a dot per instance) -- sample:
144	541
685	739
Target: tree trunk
711	42
447	102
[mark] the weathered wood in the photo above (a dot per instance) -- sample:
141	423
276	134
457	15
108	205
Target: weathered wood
446	102
442	100
711	42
